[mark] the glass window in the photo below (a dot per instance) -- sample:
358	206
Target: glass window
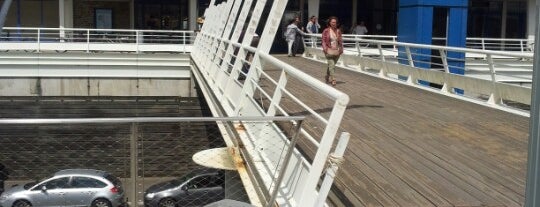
200	182
85	182
54	184
485	19
164	14
516	18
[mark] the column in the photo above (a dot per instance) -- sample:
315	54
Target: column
531	19
68	13
62	19
354	15
132	14
193	14
313	7
504	18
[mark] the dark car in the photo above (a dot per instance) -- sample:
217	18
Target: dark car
197	188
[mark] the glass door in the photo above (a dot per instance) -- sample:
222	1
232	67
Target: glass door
162	14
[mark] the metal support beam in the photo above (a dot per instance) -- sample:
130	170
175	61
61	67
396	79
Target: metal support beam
532	190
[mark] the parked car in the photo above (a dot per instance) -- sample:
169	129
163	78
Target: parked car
197	188
73	187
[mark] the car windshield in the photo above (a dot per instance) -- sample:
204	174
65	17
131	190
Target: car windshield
184	178
179	181
29	185
32	184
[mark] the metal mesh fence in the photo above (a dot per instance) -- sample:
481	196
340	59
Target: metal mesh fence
152	161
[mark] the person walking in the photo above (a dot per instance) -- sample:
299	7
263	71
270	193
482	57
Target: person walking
332	43
290	35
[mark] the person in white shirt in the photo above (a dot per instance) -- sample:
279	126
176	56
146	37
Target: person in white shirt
360	29
313	26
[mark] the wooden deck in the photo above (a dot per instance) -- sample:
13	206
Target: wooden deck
411	147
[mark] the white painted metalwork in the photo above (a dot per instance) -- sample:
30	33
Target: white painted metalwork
487	73
95	40
231	72
499	44
107	65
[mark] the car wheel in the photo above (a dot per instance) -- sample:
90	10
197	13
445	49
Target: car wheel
22	203
101	202
167	202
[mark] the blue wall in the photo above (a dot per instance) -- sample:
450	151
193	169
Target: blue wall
415	25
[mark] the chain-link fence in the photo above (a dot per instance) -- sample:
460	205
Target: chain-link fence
152	157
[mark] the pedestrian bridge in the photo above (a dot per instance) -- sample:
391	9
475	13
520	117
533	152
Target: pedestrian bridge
411	144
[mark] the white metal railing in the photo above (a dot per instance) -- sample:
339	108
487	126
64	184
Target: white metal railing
486	72
499	44
89	40
242	85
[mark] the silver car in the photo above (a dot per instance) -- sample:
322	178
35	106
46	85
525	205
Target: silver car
74	187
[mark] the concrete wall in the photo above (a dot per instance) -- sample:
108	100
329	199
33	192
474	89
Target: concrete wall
96	87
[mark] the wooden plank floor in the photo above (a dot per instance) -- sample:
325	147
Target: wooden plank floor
411	147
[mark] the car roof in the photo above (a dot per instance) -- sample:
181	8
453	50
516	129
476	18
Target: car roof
90	172
205	171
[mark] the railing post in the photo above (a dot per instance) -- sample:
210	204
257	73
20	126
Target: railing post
332	168
444	59
137	41
409	56
382	72
39	40
184	40
491	67
483	43
394	39
494	96
278	94
357	44
87	40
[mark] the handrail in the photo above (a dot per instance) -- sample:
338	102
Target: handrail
93	29
240	84
485	43
487	72
31	39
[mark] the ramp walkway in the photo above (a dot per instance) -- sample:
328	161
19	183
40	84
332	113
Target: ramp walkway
412	147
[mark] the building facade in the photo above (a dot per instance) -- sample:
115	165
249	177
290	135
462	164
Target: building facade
106	14
486	18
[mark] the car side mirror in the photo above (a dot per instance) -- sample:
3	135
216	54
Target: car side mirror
43	188
185	188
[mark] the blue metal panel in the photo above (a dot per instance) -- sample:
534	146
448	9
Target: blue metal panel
457	34
433	3
415	26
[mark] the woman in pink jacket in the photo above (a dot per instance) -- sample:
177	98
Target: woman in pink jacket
332	44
